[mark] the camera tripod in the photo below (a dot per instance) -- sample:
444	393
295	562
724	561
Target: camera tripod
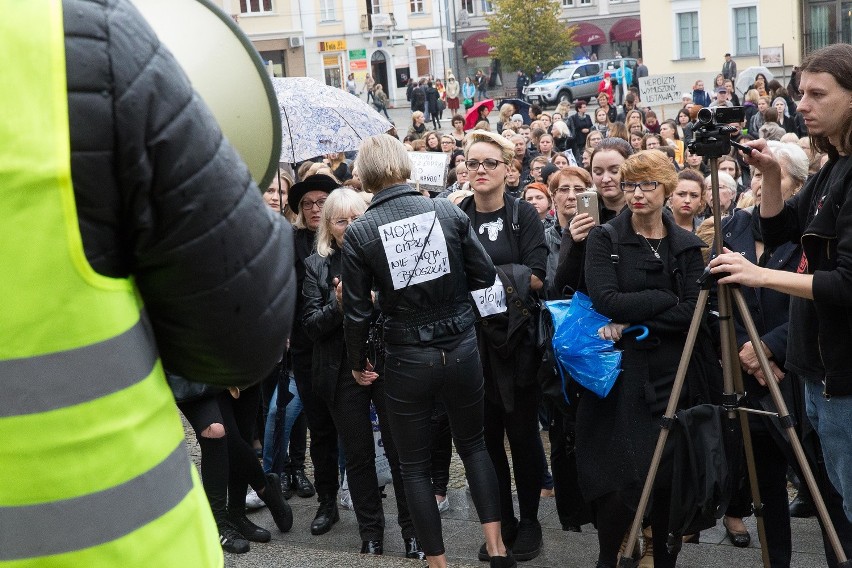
713	144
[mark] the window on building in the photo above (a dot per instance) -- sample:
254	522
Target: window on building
375	6
585	2
687	35
745	25
467	6
487	7
255	6
567	3
327	10
417	6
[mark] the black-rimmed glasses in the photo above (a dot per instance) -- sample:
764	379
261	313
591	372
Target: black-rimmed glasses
487	163
645	186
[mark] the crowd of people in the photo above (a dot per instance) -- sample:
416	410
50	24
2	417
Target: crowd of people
515	226
412	314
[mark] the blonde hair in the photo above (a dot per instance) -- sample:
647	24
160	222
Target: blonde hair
506	112
458	195
382	161
507	149
341	203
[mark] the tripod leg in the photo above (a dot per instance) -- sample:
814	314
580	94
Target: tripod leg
668	417
733	387
788	424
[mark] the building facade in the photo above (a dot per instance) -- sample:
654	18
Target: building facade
604	28
692	36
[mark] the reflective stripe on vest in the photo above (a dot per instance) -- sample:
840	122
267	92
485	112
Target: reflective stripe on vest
93	466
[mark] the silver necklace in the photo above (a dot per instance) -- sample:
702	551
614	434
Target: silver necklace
653	250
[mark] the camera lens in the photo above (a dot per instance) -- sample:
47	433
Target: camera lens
705	116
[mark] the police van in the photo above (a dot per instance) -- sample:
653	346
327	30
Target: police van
577	79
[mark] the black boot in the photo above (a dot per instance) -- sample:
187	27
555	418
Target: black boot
327	515
274	499
372	547
528	544
301	484
802	507
413	550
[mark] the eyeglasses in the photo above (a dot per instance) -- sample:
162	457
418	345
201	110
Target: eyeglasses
645	186
340	223
308	205
488	163
536	169
567	188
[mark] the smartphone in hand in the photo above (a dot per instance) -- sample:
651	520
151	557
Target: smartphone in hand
587	202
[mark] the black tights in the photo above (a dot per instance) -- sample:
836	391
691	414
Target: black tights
228	463
613	520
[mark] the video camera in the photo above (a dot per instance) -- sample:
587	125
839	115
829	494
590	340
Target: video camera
712	134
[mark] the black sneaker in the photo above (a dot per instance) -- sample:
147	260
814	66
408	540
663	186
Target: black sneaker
231	540
248	529
528	544
282	514
303	486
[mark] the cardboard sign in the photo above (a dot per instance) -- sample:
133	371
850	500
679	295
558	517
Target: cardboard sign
491	300
661	90
430	169
405	241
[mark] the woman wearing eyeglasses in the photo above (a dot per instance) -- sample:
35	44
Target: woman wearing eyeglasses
307	199
511	391
648	277
348	401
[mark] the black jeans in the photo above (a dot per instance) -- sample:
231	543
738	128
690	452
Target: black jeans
351	413
442	450
417	376
521	428
323	432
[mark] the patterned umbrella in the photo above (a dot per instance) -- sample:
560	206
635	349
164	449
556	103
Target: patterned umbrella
317	119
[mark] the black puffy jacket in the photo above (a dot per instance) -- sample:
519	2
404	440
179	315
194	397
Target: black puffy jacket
162	197
436	308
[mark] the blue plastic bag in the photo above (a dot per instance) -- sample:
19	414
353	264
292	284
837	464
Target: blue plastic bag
591	361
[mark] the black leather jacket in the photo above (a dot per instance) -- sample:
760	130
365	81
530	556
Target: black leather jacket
322	319
425	311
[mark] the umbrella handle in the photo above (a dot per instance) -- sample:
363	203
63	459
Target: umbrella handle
643	328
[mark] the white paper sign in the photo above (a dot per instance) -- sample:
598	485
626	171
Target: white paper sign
661	90
491	300
430	169
405	240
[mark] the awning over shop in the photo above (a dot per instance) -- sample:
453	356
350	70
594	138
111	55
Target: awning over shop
434	43
626	30
588	34
473	46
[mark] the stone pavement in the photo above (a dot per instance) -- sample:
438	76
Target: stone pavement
463	536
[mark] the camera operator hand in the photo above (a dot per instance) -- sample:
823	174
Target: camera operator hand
580	226
762	158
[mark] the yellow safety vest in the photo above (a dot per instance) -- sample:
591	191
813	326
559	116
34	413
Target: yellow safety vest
93	466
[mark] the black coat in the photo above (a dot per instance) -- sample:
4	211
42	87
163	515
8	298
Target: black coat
616	435
322	318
